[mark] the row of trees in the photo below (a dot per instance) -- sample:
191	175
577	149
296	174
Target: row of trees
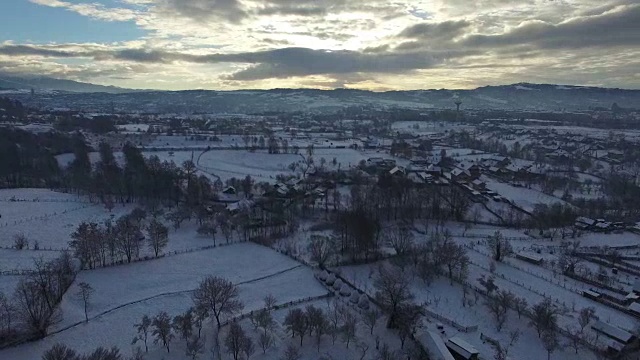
33	308
28	159
95	244
215	297
63	352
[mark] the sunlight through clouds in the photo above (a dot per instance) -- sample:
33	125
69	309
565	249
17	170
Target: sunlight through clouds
229	44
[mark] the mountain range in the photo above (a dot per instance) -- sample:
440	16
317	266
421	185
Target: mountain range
55	93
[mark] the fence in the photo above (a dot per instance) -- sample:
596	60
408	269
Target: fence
43	217
170	253
453	323
277	307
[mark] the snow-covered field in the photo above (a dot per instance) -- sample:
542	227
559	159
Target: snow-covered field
520	196
123	294
47	217
426	128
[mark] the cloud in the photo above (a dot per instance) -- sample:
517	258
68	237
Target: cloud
442	30
617	27
204	10
93	10
278	63
380	43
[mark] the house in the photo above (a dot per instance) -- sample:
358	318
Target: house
602	226
615	154
460	175
614	333
501	161
236	207
533	259
433	344
584	223
434	170
635	228
593	295
375	161
462	350
230	191
474	170
634	308
398	171
420	178
479	184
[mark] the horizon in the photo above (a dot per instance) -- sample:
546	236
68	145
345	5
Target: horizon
223	45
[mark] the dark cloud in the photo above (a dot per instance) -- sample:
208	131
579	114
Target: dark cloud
442	30
316	8
279	63
28	50
614	28
300	62
205	10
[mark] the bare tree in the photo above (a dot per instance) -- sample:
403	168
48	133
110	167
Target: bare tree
291	353
128	236
183	325
33	307
350	322
499	305
586	316
20	241
317	322
263	320
6	313
392	291
401	239
297	322
363	348
195	347
269	301
335	320
60	352
235	340
200	314
520	305
209	228
370	318
143	328
320	249
265	341
502	351
158	236
499	246
85	291
162	329
575	338
219	296
550	341
569	259
385	353
248	348
544	317
409	318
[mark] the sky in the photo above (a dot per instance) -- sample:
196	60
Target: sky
362	44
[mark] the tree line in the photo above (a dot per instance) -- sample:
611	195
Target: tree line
33	308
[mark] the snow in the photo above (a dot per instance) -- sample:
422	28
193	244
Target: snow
124	293
134	128
520	196
609	240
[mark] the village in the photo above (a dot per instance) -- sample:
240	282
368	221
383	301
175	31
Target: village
541	222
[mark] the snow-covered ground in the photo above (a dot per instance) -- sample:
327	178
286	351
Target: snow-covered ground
123	294
520	196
